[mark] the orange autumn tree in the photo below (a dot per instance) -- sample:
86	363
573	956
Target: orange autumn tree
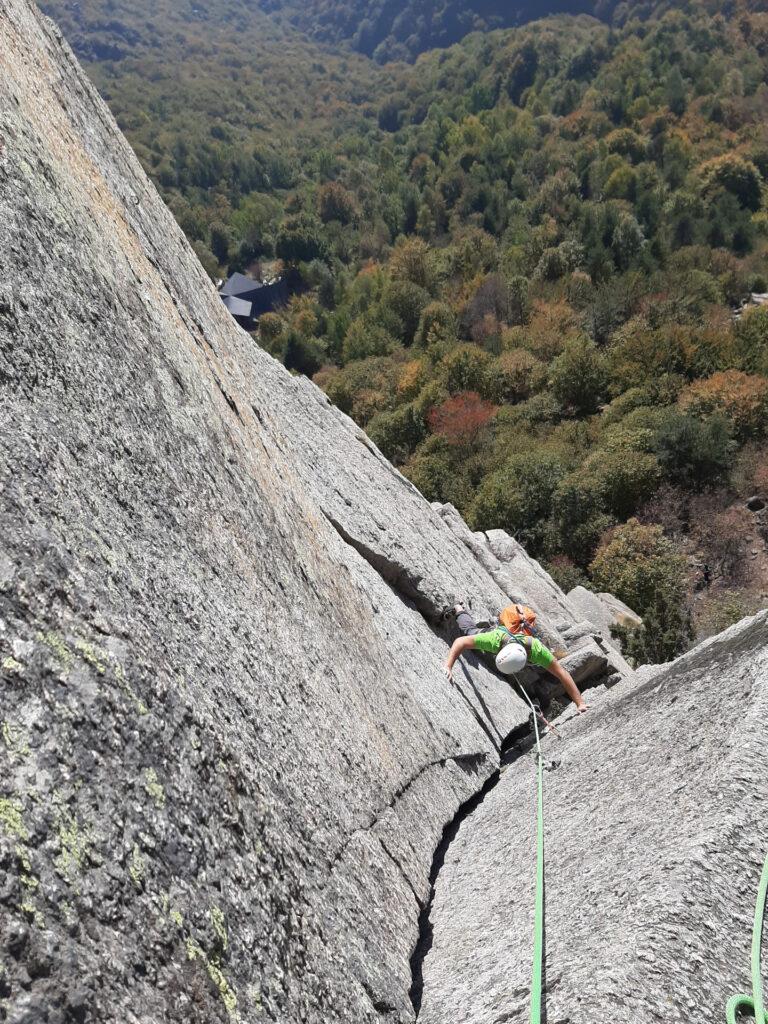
461	419
741	397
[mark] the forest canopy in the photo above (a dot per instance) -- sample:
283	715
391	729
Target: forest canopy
521	262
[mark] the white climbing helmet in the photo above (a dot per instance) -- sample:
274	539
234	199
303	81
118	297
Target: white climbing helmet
511	658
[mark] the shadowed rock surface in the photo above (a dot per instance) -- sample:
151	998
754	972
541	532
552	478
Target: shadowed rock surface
655	837
228	750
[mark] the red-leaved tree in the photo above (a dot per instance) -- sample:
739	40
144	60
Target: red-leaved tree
460	419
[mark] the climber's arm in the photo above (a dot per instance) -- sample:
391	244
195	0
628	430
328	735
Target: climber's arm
458	647
565	677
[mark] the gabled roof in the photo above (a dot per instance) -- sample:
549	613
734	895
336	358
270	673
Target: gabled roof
239	284
237	307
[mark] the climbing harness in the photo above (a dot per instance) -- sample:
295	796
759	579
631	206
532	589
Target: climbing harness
753	1005
538	918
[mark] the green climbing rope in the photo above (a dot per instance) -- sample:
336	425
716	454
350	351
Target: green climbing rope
753	1005
739	1004
538	918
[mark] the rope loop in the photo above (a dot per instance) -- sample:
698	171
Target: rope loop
753	1005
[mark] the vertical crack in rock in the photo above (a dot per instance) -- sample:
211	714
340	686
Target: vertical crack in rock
514	746
407	589
466	761
391	572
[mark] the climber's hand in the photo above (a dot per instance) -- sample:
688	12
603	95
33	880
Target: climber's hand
448	670
581	708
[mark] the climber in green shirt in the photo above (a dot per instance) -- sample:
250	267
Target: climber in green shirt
494	640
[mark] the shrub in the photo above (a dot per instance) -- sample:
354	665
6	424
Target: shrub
334	202
566	573
365	339
693	453
514	376
736	175
436	473
302	354
406	301
412	261
644	569
465	368
300	240
518	498
437	324
412	379
580	518
623	479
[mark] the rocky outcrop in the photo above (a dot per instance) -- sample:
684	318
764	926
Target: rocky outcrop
604	610
654	807
591	656
228	751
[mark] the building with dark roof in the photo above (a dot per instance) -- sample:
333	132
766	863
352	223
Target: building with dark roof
247	299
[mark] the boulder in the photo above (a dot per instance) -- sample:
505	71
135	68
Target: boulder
654	814
604	610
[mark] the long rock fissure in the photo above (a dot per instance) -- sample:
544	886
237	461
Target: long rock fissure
472	759
514	745
400	582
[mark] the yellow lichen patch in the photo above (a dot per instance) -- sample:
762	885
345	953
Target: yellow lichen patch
12	824
175	916
73	845
228	996
137	867
11	820
91	654
219	926
12	666
58	647
154	788
13	738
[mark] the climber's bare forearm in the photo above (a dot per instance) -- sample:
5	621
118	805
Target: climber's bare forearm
571	689
458	647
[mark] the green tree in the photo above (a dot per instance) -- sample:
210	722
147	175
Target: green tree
518	497
397	433
364	339
334	202
304	355
694	453
736	175
300	239
437	324
578	376
641	567
465	368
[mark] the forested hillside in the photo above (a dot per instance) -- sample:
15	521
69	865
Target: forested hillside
520	260
400	30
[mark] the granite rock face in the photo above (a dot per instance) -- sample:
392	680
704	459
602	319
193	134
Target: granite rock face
227	748
655	837
228	753
604	610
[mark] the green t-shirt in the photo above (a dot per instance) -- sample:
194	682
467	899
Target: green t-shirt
491	642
